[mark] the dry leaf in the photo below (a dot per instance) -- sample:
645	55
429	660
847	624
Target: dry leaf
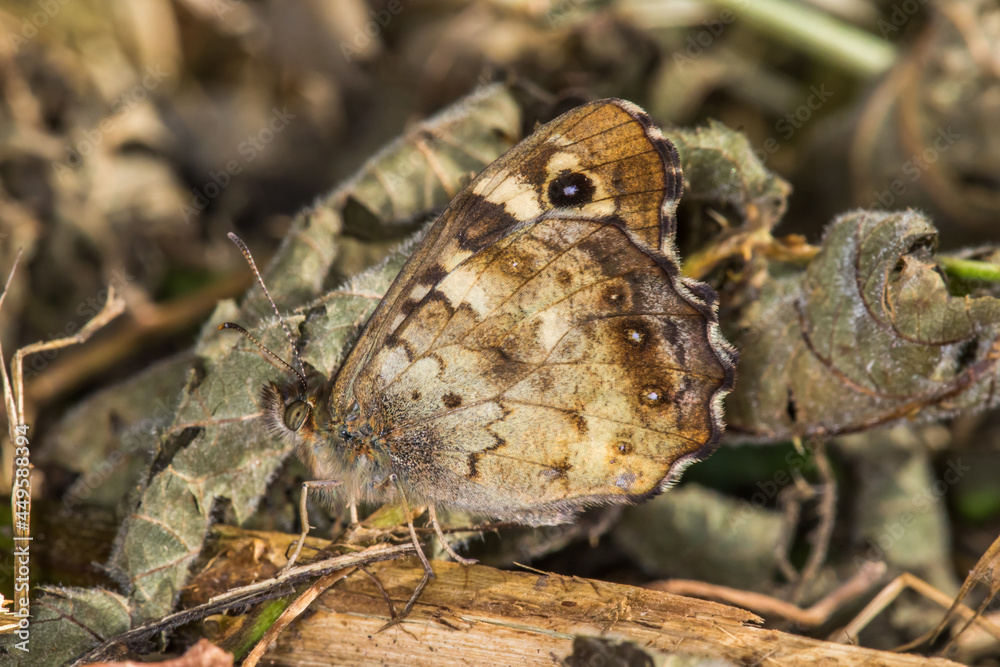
867	335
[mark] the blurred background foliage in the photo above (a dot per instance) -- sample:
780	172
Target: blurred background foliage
134	135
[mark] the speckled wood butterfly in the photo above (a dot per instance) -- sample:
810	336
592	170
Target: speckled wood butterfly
540	352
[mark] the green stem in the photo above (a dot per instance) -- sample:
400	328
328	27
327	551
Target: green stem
970	269
259	624
816	32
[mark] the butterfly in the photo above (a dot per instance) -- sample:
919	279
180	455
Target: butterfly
540	351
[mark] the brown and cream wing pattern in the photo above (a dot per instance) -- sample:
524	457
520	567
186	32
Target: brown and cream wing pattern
540	351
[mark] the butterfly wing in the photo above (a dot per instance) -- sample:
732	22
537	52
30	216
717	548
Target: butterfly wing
540	351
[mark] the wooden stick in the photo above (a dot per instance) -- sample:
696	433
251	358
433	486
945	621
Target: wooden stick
479	615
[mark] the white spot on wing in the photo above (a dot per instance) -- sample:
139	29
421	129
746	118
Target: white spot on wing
562	161
456	285
391	361
552	329
516	195
523	205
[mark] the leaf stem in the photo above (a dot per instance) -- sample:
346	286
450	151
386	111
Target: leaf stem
827	38
970	269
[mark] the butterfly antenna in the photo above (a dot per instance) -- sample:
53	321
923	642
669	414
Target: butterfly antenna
235	327
291	339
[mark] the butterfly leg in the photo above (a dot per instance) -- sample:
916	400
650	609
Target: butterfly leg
353	508
304	518
428	572
444	542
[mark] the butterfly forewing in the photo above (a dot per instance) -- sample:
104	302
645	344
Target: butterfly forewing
539	352
635	176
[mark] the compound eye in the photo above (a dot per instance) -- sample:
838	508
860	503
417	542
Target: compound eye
295	415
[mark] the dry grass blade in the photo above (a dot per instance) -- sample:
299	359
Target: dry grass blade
906	580
113	307
13	386
8	394
815	615
987	570
293	611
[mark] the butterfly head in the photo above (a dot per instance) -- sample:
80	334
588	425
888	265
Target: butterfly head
289	411
295	414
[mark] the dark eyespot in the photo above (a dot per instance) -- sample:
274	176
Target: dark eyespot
571	189
295	414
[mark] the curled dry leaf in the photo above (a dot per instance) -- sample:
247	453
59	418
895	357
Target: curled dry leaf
431	163
722	167
723	174
867	335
